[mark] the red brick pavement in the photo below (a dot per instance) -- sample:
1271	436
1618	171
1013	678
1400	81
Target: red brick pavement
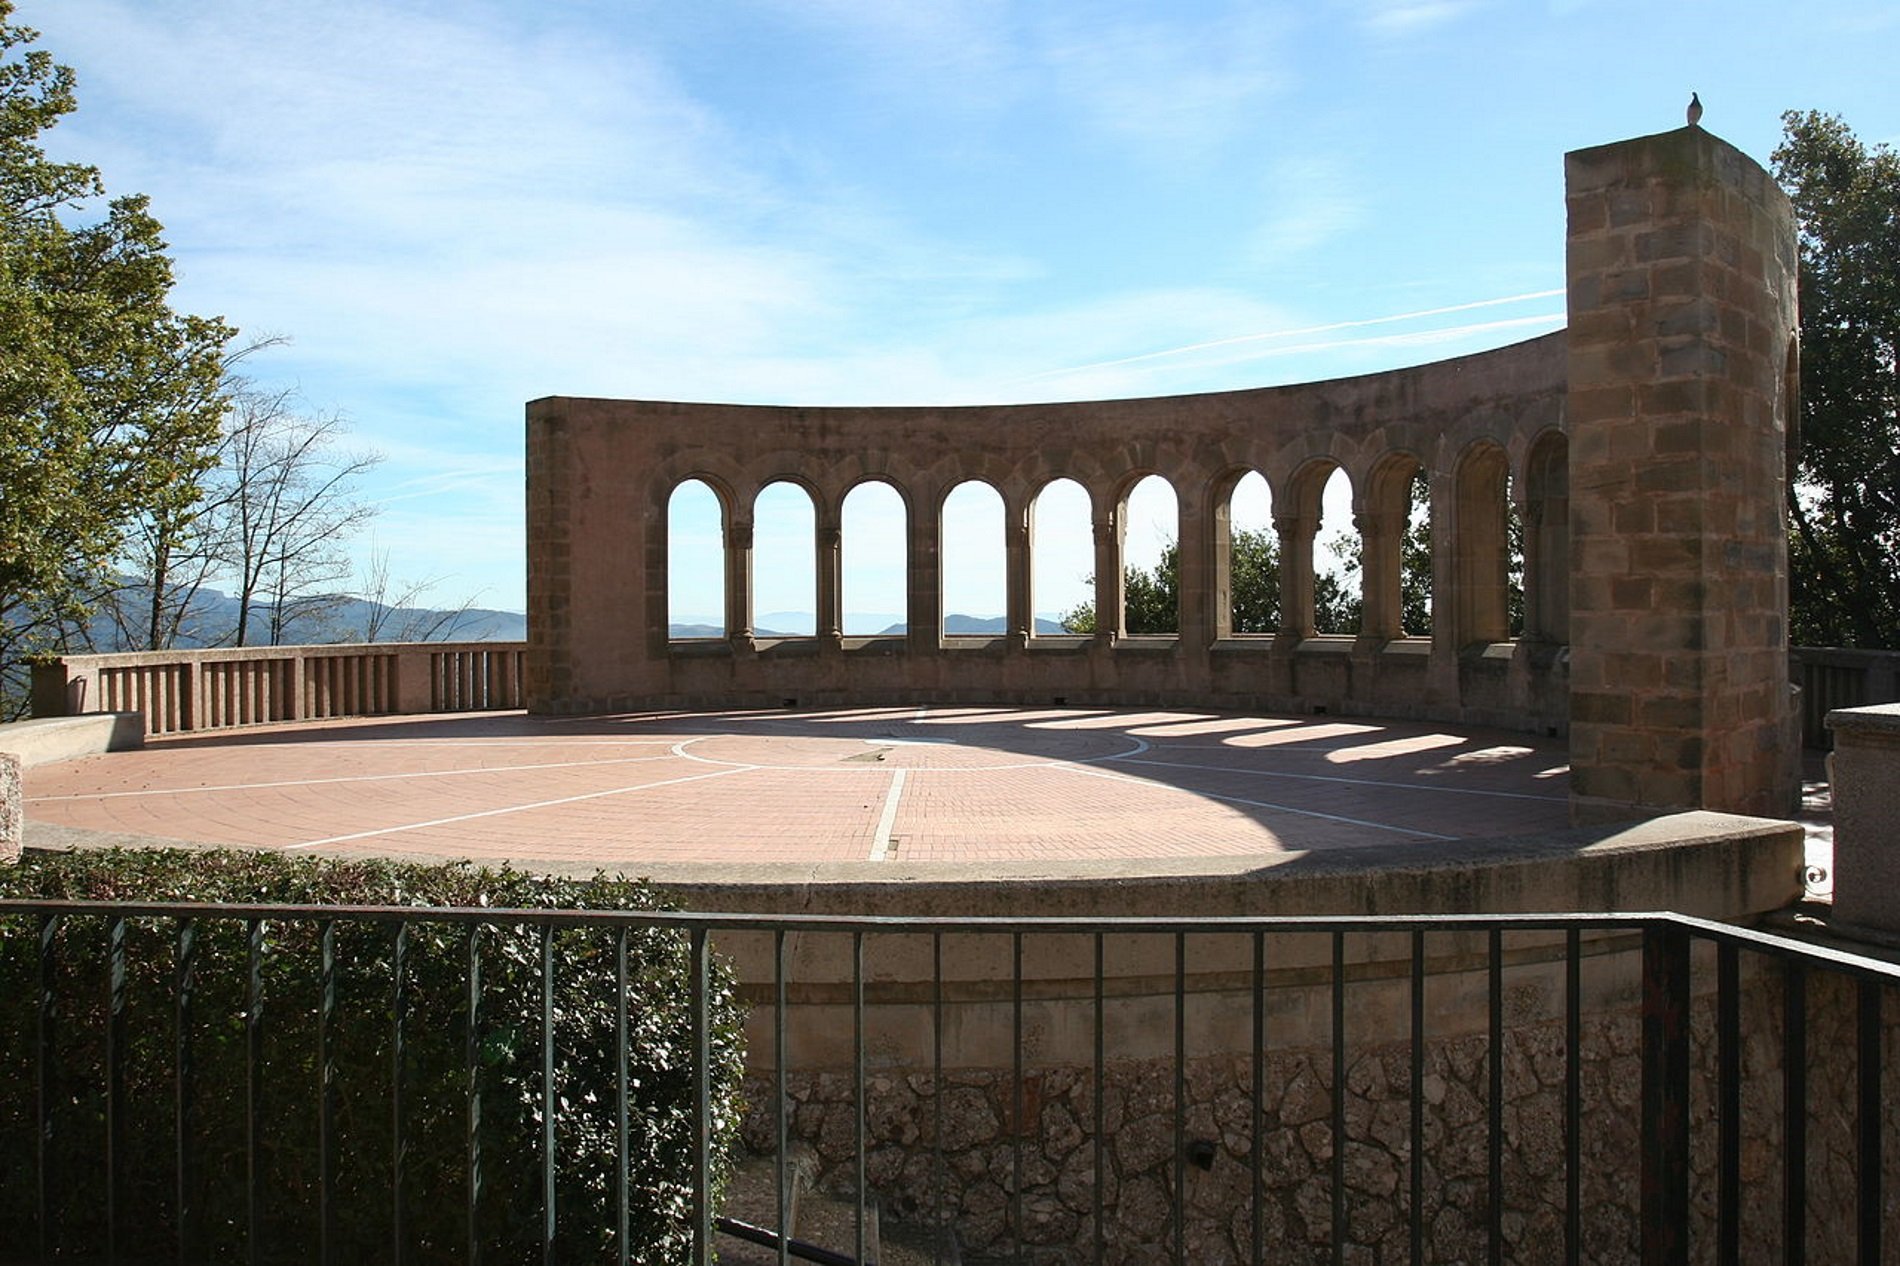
917	784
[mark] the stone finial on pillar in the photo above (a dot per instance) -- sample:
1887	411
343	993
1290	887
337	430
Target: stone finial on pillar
1682	268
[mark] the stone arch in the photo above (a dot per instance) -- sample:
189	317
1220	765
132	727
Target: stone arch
1044	555
959	586
1384	518
1139	491
675	538
1244	604
1297	526
787	559
1546	485
881	553
1480	546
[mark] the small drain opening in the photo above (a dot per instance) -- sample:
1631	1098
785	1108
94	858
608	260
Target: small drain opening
788	703
1060	701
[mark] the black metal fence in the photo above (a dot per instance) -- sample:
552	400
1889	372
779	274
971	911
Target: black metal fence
1733	1024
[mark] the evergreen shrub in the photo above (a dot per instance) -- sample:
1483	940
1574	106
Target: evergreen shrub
431	1098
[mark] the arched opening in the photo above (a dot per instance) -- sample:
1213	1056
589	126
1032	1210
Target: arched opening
1396	550
874	547
974	559
1337	559
1247	558
1481	546
695	562
1062	557
1150	551
784	562
1547	540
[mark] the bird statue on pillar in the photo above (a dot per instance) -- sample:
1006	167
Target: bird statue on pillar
1695	109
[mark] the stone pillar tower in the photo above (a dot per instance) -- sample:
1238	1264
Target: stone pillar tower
1682	271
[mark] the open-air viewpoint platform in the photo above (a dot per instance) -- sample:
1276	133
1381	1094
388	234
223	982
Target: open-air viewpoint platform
914	784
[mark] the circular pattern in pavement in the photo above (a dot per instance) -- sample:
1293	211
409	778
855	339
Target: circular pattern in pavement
917	784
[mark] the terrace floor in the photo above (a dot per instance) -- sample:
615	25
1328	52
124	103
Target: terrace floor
910	784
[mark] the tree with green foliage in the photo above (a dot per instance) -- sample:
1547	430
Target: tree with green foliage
1151	596
1844	497
109	400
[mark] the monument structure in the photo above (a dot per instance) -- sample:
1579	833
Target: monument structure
1644	448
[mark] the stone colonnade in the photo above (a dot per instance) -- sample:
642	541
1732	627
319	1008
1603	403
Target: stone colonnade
1655	553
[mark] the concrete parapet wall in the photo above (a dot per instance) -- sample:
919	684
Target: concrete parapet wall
1708	865
43	740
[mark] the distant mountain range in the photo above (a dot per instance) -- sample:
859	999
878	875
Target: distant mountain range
801	624
213	617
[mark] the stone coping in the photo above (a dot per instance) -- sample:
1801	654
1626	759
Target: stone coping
1878	719
47	739
1710	865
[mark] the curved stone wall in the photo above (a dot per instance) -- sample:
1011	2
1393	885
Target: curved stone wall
602	473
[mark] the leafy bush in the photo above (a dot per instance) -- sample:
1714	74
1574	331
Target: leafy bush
431	1099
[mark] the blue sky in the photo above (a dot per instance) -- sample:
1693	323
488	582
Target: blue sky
452	208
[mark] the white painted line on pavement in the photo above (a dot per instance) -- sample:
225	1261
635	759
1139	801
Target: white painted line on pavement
881	842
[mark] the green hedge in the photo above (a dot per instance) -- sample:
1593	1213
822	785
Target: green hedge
435	1116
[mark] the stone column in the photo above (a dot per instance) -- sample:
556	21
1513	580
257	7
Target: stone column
739	583
1110	618
1296	574
1195	563
1379	576
1018	586
924	605
828	540
1681	269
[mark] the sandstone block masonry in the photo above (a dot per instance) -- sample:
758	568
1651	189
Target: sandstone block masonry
1654	585
1682	384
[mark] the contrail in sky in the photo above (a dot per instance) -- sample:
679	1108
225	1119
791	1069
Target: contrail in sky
1300	333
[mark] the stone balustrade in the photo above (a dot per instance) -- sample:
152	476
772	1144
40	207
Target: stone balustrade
187	690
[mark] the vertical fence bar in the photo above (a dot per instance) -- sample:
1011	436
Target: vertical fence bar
1180	1099
326	1093
115	1081
781	1056
1095	1095
701	973
550	1100
1494	1101
857	1082
185	969
1017	1108
1415	1227
1665	1172
1573	1097
1868	1122
1728	1103
1339	1098
938	1173
43	1072
1257	1104
254	1093
472	1087
1794	1070
623	1086
398	1126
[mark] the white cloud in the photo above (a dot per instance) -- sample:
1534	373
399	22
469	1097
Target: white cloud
1402	19
1175	90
